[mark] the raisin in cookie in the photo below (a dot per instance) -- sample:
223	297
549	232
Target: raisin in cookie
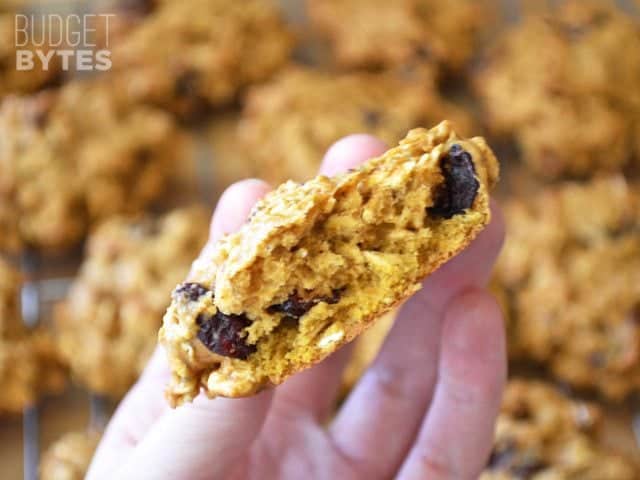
69	457
566	86
385	34
71	157
288	124
108	325
200	53
571	270
317	263
541	434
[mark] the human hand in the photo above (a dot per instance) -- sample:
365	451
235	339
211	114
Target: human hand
425	409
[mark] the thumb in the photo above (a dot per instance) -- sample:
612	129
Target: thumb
205	439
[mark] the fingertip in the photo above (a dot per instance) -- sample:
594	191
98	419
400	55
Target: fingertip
456	438
235	204
350	152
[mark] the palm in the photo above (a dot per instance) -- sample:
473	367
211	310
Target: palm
424	409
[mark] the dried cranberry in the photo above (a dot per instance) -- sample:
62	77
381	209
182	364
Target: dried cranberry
507	459
460	186
296	307
187	84
220	333
371	118
190	291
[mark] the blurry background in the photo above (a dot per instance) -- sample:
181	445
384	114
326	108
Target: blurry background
107	179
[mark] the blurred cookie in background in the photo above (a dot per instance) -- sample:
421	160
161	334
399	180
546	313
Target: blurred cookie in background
69	457
383	34
289	123
29	361
571	271
542	434
192	55
73	156
565	86
107	327
24	79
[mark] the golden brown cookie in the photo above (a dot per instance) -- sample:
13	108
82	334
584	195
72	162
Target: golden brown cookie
379	33
571	268
10	281
108	326
289	123
316	264
191	55
77	155
69	457
13	80
566	86
543	435
30	364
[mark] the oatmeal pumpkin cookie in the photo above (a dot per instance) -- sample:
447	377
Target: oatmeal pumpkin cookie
289	123
316	264
195	54
379	33
30	366
108	326
29	362
566	86
69	457
542	434
571	270
12	80
71	157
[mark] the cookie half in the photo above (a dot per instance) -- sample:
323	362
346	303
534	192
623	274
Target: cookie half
317	263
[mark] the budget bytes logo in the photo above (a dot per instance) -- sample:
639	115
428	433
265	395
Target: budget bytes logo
70	40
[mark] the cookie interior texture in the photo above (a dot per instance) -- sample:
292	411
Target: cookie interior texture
318	262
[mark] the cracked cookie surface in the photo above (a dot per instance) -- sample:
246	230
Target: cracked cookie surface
107	328
289	123
316	264
571	271
542	434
